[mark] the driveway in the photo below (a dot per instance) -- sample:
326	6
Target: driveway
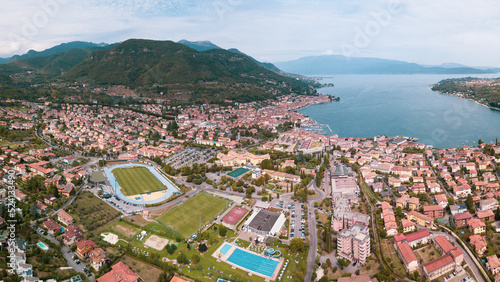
67	254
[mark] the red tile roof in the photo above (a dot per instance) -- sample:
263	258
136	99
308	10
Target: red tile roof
417	235
464	215
444	243
406	252
438	263
119	273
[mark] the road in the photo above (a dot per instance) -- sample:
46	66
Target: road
313	233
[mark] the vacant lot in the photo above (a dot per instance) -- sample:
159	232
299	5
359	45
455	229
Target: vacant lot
91	212
137	180
185	218
146	271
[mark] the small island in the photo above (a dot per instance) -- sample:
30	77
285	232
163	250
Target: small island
485	91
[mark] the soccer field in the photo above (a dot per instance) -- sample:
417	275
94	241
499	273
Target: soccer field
137	180
185	218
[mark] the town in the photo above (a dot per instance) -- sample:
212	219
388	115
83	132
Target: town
237	192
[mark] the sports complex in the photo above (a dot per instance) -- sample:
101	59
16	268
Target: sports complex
139	183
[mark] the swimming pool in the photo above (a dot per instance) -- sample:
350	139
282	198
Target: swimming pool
42	246
225	248
253	262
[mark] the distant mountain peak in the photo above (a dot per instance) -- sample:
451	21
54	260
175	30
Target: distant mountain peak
199	45
337	64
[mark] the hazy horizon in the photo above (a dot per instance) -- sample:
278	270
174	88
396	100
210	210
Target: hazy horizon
424	32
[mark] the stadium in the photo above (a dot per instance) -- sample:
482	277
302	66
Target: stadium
139	183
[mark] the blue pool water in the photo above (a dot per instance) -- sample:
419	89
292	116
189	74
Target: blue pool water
42	246
225	248
253	262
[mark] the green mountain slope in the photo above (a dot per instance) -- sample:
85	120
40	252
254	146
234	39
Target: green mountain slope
208	75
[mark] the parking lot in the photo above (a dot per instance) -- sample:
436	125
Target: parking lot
122	206
189	156
297	217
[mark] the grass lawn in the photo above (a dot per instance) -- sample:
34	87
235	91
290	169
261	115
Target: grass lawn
146	271
428	253
185	218
137	219
392	257
137	180
122	228
91	212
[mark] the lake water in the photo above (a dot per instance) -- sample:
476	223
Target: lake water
404	105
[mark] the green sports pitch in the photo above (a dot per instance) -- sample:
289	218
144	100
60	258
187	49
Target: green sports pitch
137	180
185	218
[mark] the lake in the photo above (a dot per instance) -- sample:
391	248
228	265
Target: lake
404	105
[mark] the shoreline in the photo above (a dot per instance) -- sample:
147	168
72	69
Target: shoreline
470	99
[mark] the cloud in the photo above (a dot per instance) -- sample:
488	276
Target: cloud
430	32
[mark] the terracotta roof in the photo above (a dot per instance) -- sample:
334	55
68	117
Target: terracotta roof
438	263
406	252
406	223
52	225
65	216
464	215
484	214
433	208
399	237
493	261
444	243
119	273
417	235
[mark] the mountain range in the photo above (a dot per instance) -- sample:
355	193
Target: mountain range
338	64
158	68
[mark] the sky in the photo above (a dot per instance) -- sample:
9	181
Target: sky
426	31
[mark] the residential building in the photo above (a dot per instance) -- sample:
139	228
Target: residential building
438	267
413	203
434	211
84	247
64	217
462	191
454	209
119	273
98	258
406	254
408	226
476	226
486	215
445	247
460	219
493	264
416	238
479	244
353	243
488	204
52	226
421	219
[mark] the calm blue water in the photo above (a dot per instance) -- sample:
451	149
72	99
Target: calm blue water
225	248
253	262
404	105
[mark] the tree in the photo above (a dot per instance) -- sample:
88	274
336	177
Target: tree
33	211
202	248
165	277
469	202
195	258
497	214
182	258
222	230
296	245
